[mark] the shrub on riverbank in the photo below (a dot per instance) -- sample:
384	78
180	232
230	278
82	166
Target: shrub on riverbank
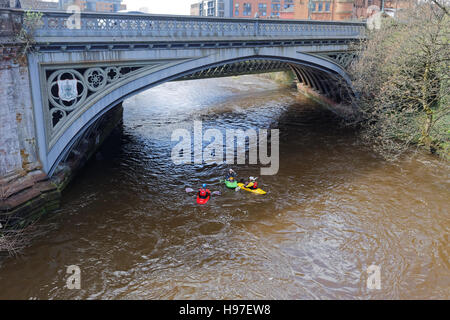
14	239
402	81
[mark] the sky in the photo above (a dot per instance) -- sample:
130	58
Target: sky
158	6
161	6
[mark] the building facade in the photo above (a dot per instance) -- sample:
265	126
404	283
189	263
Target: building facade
94	5
195	9
390	7
335	10
212	8
40	5
261	8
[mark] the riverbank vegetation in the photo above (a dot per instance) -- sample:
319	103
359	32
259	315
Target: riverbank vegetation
14	240
401	78
15	233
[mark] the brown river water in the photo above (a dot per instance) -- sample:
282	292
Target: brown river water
333	209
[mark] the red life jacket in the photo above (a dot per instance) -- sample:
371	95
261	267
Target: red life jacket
203	193
255	185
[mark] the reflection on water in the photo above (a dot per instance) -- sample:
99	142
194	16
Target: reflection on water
333	209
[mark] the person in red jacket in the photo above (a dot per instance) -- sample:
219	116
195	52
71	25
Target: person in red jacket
203	193
252	184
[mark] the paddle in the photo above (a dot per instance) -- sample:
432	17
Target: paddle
216	193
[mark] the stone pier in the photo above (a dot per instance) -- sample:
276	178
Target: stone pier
25	190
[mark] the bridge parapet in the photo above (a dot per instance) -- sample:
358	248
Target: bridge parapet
94	27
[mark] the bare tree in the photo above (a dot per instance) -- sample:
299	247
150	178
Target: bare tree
14	238
403	82
442	4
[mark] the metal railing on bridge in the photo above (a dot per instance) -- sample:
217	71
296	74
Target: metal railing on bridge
100	27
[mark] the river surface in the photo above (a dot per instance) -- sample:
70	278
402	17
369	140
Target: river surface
333	209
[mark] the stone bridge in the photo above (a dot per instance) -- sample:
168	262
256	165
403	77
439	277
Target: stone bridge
79	69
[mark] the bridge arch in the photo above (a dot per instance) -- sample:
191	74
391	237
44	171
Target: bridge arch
319	73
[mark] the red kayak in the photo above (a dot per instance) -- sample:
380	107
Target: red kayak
203	200
203	196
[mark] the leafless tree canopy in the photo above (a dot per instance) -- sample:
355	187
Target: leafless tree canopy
402	77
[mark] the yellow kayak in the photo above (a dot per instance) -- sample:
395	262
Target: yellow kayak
258	191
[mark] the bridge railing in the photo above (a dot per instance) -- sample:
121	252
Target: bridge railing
59	26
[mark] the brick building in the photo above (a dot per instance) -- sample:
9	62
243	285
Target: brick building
195	9
337	10
390	7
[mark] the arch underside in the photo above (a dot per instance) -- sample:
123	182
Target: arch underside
322	82
97	95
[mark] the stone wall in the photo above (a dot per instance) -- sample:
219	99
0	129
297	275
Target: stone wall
25	189
18	154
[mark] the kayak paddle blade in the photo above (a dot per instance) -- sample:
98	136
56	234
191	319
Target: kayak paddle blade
216	193
189	190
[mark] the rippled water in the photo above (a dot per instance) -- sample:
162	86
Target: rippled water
333	209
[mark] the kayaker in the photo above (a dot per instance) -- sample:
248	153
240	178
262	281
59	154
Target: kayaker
252	184
231	175
204	193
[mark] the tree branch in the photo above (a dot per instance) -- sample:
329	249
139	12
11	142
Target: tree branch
441	6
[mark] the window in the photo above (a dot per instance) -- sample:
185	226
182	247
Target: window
313	6
327	6
262	9
211	8
320	7
236	9
247	9
276	7
288	4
